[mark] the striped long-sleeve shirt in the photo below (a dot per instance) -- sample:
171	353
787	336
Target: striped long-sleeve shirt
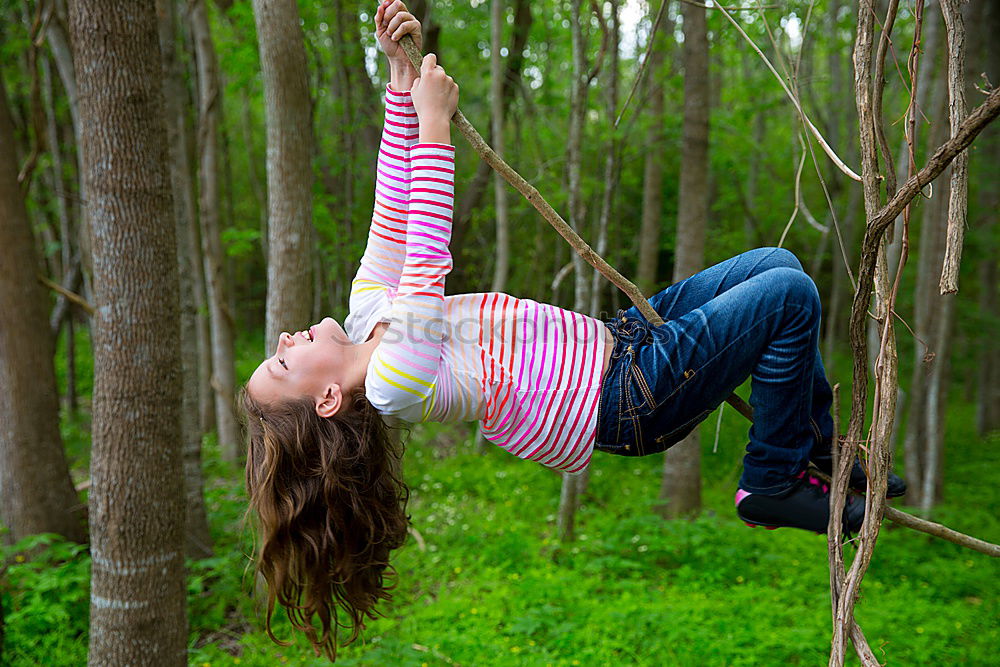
528	371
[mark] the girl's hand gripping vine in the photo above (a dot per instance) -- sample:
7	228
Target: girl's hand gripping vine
392	21
435	99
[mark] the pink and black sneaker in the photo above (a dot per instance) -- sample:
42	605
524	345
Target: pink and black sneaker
859	480
806	505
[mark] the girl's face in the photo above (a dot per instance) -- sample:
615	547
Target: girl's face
306	363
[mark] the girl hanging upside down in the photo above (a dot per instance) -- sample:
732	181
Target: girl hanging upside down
546	384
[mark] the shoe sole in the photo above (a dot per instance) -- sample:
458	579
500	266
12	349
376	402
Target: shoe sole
763	525
751	524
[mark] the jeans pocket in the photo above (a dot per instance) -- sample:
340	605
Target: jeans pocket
667	440
641	397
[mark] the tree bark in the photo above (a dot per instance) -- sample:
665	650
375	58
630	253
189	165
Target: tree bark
137	610
957	111
681	486
36	492
198	539
290	236
220	316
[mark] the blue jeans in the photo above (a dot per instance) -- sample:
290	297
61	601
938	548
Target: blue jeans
757	315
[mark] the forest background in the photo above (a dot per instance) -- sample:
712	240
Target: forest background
482	582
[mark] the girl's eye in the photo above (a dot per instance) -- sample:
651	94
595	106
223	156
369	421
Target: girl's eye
283	364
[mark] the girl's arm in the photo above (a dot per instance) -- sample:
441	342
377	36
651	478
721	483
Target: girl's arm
377	278
404	366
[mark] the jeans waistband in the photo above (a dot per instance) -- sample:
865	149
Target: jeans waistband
628	330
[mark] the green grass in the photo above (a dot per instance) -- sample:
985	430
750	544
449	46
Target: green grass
492	585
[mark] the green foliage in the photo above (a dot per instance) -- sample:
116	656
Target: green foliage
493	586
46	601
240	242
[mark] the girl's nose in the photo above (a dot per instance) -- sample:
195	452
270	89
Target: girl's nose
285	339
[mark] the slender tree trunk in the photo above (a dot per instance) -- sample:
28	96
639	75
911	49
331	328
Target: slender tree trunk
652	178
199	287
988	375
137	610
937	400
257	185
36	492
289	173
955	222
574	146
988	399
196	265
839	279
67	245
611	157
364	99
918	440
220	315
59	44
472	191
569	496
197	537
840	115
681	486
501	267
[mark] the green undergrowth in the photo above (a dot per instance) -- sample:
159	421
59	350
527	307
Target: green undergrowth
488	583
491	585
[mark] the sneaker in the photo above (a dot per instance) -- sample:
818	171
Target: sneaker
859	481
806	505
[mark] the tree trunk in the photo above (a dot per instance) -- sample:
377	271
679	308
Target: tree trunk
569	496
501	268
197	537
59	44
472	191
363	100
67	245
220	316
988	376
840	118
681	486
927	301
988	164
289	174
611	157
137	610
652	178
36	492
574	146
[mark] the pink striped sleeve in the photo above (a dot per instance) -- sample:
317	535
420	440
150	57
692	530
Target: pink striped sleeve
403	369
382	262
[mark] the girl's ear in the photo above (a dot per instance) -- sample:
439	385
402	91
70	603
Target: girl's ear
331	402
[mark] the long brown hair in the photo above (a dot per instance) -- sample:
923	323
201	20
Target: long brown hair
330	505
